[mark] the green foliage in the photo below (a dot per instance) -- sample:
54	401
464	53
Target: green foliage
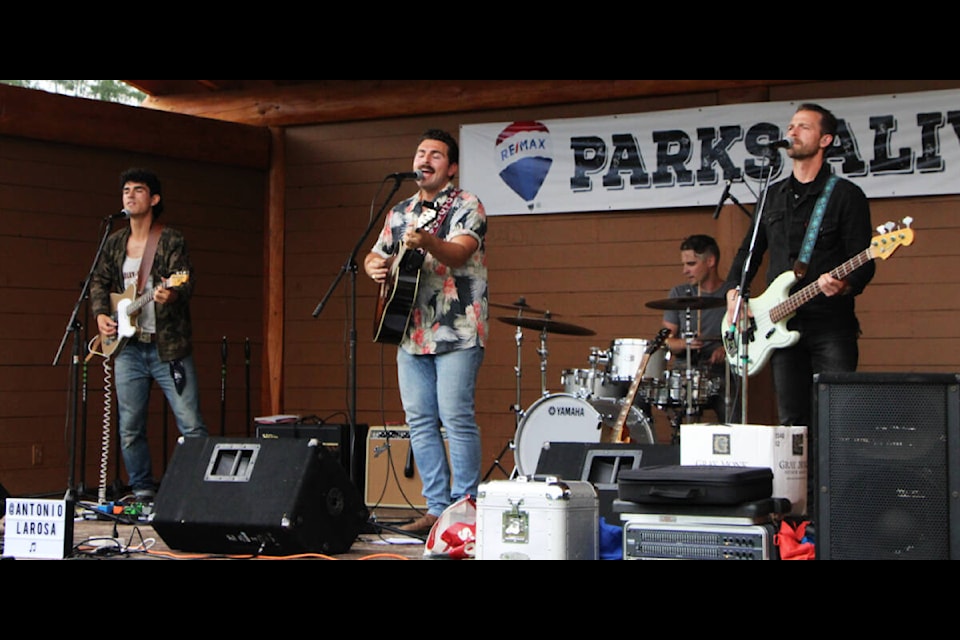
106	90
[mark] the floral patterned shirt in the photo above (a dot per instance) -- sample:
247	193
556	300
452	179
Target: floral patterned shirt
450	311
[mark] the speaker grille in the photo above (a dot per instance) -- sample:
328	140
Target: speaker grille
883	487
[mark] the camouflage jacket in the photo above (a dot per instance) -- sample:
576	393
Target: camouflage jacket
174	328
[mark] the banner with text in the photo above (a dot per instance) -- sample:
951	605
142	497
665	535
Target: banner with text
892	146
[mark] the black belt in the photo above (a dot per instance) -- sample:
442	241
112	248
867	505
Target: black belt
142	336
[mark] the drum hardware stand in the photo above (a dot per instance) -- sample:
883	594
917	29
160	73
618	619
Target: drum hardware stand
542	352
517	407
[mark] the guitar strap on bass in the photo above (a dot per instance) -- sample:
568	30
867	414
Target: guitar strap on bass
800	266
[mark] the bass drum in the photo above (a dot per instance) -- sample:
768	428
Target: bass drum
560	417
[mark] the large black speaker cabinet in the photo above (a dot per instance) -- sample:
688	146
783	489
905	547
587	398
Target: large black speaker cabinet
888	466
257	496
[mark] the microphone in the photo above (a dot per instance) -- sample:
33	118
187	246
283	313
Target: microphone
723	198
123	214
785	143
412	175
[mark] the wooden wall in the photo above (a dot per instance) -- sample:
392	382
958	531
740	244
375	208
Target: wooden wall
597	270
53	198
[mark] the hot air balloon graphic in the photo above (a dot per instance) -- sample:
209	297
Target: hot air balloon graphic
524	155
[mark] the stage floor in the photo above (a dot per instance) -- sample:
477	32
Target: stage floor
105	539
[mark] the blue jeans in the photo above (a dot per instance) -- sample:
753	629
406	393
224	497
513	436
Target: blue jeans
137	365
435	391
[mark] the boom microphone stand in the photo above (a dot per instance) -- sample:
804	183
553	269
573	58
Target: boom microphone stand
74	327
350	266
744	295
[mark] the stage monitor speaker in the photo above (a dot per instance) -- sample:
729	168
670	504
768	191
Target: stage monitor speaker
888	466
257	496
601	464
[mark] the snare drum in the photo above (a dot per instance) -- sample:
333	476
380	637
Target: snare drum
559	417
626	354
672	389
589	383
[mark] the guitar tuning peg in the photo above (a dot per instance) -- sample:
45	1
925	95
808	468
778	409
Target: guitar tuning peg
882	229
907	221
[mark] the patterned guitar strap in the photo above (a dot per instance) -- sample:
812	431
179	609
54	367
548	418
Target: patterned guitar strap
800	266
452	199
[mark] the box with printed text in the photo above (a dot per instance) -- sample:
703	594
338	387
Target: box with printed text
783	449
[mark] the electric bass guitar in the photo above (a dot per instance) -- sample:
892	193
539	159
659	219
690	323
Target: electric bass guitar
126	308
767	330
398	292
657	343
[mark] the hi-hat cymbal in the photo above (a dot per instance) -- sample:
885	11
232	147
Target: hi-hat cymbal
687	302
521	305
550	326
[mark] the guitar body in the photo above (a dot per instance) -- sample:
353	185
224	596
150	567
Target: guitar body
765	335
398	293
772	310
126	309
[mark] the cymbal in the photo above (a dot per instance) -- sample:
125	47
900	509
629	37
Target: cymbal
687	302
521	305
550	326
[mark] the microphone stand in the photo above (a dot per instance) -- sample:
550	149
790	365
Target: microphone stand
743	300
350	266
73	327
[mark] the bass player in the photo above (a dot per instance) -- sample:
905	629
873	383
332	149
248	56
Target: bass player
810	197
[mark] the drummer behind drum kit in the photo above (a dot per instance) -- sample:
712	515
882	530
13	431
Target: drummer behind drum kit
592	398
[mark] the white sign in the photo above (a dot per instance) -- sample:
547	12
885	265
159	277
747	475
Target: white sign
892	146
41	529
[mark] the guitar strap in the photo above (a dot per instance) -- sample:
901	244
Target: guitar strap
149	251
800	266
444	210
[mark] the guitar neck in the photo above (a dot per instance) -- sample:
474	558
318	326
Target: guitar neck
780	311
144	298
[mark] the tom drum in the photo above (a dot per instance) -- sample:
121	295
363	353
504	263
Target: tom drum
588	383
626	354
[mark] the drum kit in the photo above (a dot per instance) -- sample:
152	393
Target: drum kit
593	398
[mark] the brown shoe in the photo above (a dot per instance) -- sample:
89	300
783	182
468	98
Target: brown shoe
423	524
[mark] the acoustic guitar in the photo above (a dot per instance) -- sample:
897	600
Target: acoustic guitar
398	292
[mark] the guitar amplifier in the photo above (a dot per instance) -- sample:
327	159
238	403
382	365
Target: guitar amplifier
393	479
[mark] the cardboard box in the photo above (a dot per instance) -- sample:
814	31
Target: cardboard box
783	449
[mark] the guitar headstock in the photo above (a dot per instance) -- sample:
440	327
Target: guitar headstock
891	237
176	279
662	336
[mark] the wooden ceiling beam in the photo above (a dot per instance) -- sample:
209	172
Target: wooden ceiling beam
322	101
